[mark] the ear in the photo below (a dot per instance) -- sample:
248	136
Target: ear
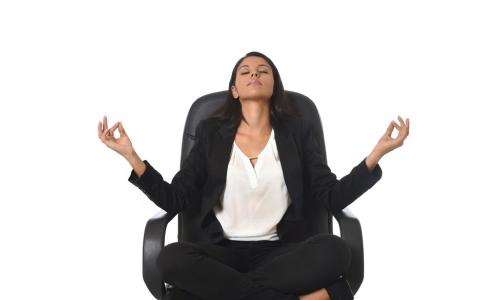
234	92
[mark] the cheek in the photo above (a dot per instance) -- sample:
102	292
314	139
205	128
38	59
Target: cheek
270	84
269	80
240	82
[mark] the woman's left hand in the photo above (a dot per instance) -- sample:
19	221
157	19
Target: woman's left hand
386	143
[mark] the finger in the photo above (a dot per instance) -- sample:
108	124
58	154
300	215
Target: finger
107	133
100	132
404	126
405	123
121	129
402	135
389	130
108	137
408	126
401	121
105	121
397	126
111	131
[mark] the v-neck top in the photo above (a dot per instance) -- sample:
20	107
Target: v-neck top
254	198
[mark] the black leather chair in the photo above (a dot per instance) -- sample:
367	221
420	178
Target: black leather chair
317	218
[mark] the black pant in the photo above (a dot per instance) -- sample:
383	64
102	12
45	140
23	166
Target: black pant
255	269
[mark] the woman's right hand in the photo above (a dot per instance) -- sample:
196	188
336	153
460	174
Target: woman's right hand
122	145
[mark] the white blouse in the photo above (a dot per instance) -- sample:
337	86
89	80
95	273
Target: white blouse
255	198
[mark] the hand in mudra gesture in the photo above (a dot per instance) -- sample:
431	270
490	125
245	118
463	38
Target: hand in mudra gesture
386	143
122	145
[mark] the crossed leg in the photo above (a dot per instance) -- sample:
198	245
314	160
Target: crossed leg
305	267
212	272
215	272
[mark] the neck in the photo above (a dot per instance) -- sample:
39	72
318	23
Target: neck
256	114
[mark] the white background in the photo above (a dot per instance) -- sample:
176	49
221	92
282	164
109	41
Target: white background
71	225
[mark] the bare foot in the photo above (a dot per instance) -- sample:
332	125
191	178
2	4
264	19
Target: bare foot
320	294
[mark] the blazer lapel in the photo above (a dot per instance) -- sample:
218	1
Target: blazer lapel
291	166
221	152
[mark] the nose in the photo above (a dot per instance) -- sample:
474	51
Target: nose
255	73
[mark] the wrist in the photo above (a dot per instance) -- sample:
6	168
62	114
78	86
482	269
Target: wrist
133	158
137	164
372	160
376	154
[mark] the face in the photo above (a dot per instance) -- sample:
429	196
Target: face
254	79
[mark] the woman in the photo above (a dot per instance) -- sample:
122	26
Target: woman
251	258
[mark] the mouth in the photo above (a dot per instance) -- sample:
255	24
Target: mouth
254	81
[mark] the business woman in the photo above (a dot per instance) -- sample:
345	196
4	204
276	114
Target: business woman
253	164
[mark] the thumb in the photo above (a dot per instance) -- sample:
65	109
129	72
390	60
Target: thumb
121	129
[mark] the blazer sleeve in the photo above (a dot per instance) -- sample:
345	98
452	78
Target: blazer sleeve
186	184
324	185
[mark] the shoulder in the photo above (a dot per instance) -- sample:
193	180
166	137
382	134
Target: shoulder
292	123
298	126
304	130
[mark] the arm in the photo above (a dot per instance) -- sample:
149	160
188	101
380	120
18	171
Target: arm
372	160
186	184
324	185
137	164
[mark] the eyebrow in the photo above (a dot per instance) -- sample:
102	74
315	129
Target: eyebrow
257	66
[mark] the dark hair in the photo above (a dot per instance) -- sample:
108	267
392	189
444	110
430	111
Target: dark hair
280	109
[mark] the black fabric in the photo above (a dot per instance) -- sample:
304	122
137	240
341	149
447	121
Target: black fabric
255	269
340	289
201	180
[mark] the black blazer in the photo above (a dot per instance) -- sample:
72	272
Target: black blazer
201	179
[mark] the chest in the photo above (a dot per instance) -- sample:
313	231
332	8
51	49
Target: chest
251	146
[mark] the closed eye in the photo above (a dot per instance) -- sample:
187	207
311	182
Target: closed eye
243	73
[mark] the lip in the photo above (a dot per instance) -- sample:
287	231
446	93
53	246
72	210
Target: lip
254	81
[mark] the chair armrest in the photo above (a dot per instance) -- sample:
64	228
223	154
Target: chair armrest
350	231
154	241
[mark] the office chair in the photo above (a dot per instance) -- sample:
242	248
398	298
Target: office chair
316	218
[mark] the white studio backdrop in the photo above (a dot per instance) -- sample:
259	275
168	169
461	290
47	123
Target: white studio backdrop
71	224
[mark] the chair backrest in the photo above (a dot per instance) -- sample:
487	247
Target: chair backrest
316	218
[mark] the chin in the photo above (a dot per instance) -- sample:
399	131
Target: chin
257	94
252	97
